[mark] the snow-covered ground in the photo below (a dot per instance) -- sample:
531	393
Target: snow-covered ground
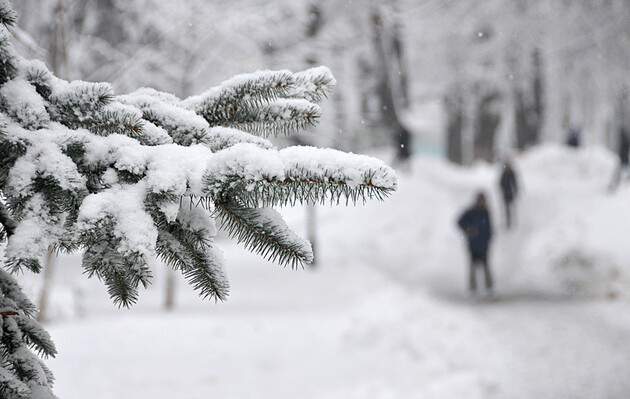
385	314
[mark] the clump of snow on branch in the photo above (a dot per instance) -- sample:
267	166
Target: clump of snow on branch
24	104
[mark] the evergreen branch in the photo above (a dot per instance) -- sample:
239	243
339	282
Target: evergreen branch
11	290
58	199
188	250
223	102
199	265
219	138
262	230
302	191
12	387
314	84
80	98
191	254
40	216
108	265
36	337
36	73
296	175
119	289
10	150
26	116
281	117
104	123
22	364
20	101
182	133
11	337
122	270
8	17
47	373
26	365
179	123
16	265
8	59
154	135
6	222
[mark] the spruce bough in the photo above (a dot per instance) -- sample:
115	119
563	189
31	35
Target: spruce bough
130	178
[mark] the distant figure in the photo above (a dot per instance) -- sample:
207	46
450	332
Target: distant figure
623	151
508	183
477	227
574	137
403	152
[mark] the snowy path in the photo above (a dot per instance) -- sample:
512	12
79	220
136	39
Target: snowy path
385	316
396	344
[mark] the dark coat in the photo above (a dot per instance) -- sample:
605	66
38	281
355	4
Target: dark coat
624	147
508	184
476	224
574	138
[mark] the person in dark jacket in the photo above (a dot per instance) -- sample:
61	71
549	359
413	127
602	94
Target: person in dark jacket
476	225
623	152
508	183
574	137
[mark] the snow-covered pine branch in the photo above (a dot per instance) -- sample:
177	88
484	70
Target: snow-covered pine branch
134	177
266	103
296	175
220	138
8	16
22	374
184	126
90	106
219	104
59	166
51	177
280	117
314	84
263	231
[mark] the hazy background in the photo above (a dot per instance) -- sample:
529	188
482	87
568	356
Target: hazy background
440	88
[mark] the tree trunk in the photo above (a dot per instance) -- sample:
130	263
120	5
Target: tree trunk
488	118
189	62
529	106
58	51
391	87
44	295
59	61
454	107
170	289
311	230
538	106
110	26
313	29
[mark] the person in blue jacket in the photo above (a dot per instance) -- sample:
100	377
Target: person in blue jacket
476	225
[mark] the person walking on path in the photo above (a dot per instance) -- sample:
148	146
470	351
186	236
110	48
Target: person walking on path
476	225
623	152
508	183
574	137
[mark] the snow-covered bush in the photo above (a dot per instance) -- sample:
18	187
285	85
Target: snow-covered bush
125	178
